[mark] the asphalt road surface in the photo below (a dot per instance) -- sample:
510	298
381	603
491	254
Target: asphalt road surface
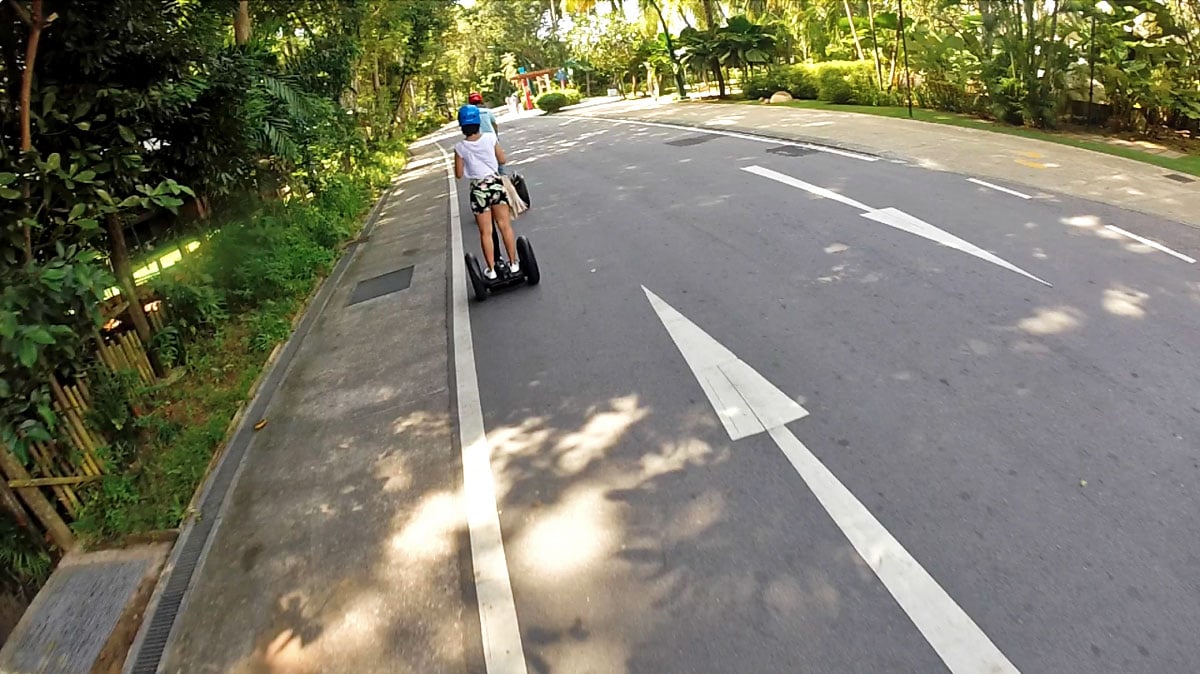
775	408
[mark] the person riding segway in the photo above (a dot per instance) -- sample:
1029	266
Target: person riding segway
478	157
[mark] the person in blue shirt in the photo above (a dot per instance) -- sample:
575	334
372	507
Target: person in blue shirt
487	120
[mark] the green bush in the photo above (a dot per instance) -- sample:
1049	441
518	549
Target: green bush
832	86
573	95
864	84
762	85
271	325
801	83
193	304
552	101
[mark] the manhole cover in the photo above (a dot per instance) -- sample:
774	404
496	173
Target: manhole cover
1179	178
690	140
789	151
385	284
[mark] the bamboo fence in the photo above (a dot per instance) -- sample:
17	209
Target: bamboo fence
48	482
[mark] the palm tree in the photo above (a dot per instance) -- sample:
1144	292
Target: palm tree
743	43
680	83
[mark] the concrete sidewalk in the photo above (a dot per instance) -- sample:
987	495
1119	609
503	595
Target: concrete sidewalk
341	548
1033	164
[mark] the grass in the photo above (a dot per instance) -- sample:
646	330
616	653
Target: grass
1189	164
228	304
187	421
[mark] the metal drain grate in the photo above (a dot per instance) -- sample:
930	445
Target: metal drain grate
384	284
690	140
789	151
1179	178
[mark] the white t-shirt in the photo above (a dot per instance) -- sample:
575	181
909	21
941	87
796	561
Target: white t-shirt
479	156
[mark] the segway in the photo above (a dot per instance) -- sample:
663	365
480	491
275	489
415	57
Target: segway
505	278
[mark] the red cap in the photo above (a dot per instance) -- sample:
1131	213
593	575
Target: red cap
475	97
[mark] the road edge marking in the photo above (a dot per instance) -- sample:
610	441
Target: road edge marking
1153	244
503	652
998	188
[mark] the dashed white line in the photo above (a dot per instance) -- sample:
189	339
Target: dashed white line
998	188
730	134
1153	244
502	649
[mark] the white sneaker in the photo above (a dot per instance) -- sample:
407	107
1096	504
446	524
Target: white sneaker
515	267
489	274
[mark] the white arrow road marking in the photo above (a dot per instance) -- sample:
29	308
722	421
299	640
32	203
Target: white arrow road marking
807	187
502	650
1153	244
745	403
956	638
894	217
904	222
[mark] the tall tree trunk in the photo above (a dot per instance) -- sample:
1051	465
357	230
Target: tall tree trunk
118	253
680	82
716	68
36	22
710	22
892	69
853	30
1047	84
875	43
241	23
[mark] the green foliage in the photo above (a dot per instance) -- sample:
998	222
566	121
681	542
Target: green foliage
46	312
271	325
24	561
800	81
196	306
114	395
833	84
552	101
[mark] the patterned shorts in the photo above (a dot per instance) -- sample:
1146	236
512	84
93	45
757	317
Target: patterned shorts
487	193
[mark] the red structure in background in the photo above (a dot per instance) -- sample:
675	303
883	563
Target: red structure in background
526	81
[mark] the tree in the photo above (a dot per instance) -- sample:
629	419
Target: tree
677	67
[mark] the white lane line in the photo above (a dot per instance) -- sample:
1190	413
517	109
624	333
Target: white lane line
807	187
502	650
1153	244
998	188
729	134
904	222
956	638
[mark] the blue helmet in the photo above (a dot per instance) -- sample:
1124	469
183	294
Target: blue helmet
467	115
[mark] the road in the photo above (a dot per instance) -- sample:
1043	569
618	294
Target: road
996	386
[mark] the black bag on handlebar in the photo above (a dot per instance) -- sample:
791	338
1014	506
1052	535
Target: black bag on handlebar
518	182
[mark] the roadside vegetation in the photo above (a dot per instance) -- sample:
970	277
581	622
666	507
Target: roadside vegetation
180	174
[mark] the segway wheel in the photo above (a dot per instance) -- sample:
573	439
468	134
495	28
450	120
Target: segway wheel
476	276
529	265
